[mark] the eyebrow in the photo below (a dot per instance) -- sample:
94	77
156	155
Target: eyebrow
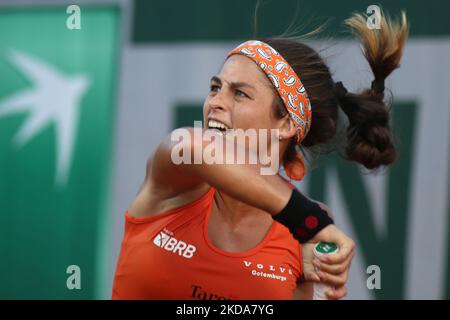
234	85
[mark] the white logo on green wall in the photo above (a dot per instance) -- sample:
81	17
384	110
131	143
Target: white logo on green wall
57	110
53	98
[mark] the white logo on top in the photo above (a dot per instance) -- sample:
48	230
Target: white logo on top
269	272
169	243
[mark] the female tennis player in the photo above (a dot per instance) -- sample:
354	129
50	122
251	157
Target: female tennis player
226	231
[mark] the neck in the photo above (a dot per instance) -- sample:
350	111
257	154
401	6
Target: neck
236	213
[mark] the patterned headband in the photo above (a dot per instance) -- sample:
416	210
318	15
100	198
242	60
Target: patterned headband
284	79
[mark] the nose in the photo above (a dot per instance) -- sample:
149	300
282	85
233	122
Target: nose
215	106
218	102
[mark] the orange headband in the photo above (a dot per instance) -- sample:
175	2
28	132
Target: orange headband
284	79
289	88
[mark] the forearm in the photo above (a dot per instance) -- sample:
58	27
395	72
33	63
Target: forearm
241	181
244	183
303	217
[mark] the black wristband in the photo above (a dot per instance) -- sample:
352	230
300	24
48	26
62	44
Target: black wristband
303	217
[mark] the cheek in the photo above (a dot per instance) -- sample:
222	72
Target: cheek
256	117
243	117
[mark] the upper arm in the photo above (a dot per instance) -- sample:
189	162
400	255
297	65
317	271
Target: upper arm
165	175
165	186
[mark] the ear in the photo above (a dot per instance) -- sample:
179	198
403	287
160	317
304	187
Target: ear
287	128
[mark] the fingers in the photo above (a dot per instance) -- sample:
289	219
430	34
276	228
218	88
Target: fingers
334	268
311	276
334	280
346	249
337	293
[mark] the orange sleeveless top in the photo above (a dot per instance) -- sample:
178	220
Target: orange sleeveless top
169	256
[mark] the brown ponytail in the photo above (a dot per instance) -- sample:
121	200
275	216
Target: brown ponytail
368	133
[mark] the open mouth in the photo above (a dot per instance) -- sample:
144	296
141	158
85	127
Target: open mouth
212	124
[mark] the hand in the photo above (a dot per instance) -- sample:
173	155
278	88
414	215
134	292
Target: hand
332	269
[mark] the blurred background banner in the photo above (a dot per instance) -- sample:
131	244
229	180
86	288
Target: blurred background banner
57	110
61	205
